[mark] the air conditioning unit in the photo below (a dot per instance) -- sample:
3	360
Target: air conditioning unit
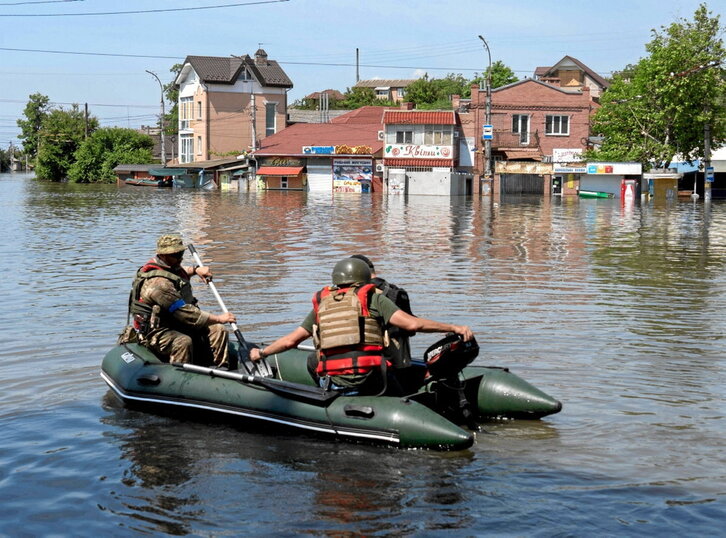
381	135
456	134
379	168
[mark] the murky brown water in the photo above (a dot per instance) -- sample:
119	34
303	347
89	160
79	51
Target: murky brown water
617	312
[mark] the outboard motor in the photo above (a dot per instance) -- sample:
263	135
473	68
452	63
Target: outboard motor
444	361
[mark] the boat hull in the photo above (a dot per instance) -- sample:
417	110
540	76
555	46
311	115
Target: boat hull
138	378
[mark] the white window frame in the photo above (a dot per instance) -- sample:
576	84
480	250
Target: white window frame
520	126
284	182
186	148
186	112
199	145
553	125
404	136
438	135
270	130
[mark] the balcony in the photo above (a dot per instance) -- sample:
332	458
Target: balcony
505	139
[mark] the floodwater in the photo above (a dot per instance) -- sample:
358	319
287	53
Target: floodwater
618	312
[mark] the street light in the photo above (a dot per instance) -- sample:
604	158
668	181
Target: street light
488	141
161	120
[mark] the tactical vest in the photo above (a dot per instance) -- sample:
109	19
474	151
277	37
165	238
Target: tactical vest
398	352
141	312
348	339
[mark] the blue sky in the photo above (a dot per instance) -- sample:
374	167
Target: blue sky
102	59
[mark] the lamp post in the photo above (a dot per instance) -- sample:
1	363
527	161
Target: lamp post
161	119
488	141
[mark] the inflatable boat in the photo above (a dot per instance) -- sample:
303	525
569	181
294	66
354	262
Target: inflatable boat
436	413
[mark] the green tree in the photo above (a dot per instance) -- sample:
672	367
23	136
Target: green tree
357	97
35	112
171	91
436	93
5	159
659	107
501	76
61	134
105	149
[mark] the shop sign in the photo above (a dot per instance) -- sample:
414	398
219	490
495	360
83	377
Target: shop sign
318	150
280	161
352	175
614	168
567	155
409	151
571	168
522	167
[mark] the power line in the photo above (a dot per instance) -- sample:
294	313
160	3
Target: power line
136	12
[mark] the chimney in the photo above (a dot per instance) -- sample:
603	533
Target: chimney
406	106
260	57
455	101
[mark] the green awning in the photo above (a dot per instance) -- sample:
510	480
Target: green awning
162	172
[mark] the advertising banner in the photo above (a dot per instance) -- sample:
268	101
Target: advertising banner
352	175
409	151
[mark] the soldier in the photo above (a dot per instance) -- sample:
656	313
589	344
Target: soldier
165	313
348	321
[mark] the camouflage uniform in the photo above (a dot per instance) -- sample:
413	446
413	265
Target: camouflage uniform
179	330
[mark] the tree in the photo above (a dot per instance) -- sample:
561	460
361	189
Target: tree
357	97
60	135
659	107
501	76
35	112
5	159
171	91
105	149
436	93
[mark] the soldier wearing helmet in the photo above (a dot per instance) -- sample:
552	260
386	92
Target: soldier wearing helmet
165	314
348	323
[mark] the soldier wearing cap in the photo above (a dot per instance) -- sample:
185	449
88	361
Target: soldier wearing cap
348	323
165	314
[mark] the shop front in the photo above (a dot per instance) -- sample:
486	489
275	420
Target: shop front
605	179
281	173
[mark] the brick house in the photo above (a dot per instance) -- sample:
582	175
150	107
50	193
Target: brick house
571	73
227	105
386	89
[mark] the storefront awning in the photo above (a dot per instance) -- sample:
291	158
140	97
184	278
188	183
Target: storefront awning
518	155
162	172
279	170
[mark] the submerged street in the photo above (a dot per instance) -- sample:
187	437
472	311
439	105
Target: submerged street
617	312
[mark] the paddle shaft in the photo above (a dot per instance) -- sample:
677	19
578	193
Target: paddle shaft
260	366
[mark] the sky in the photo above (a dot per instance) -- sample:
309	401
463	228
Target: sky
98	51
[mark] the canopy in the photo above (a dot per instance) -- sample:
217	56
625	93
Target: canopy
161	172
279	170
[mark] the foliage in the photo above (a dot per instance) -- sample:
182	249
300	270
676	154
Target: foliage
357	97
5	159
171	91
659	107
501	76
436	93
105	149
35	112
61	133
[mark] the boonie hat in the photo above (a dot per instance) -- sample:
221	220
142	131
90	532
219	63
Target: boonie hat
169	244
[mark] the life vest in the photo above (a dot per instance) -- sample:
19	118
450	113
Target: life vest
141	311
348	339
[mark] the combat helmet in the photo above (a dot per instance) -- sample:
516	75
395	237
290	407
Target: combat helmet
350	271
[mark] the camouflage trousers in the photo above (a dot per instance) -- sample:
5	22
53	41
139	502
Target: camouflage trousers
208	347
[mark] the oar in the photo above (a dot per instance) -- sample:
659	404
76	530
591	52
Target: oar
259	367
296	391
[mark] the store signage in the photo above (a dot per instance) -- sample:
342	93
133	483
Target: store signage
318	150
409	151
614	168
522	167
560	169
567	155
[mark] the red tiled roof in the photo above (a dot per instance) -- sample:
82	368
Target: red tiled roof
419	117
419	162
291	140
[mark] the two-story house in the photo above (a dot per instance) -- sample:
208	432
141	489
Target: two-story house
387	90
227	105
571	73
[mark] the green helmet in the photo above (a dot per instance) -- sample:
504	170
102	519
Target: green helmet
350	271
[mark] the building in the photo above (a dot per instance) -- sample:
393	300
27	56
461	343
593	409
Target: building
421	153
340	156
387	90
571	73
228	105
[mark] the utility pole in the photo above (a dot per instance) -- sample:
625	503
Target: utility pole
357	65
706	161
85	120
161	119
488	141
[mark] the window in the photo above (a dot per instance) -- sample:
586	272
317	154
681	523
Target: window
520	125
404	137
283	182
244	75
199	110
186	149
402	92
557	125
382	94
437	135
185	112
270	113
199	145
